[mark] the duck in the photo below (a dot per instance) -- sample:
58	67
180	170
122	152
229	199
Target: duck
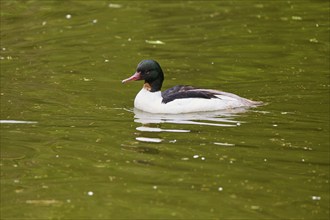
181	98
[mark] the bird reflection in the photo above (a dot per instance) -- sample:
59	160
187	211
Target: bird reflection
224	118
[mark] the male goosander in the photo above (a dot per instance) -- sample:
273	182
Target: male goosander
179	99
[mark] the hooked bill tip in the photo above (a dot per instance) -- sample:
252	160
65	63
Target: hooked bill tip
136	76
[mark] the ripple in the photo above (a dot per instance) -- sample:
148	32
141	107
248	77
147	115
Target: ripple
17	122
224	144
150	129
16	153
151	140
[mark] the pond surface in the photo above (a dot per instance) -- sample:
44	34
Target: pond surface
73	146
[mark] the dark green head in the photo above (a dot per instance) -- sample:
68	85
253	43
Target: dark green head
149	71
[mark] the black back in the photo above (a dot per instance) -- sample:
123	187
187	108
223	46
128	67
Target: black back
181	92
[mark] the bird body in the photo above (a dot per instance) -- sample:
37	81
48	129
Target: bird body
182	98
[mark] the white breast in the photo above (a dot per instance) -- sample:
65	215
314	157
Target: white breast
152	102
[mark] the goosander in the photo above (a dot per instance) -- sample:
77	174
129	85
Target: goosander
181	98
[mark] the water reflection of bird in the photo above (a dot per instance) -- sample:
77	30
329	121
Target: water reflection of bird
179	99
222	118
152	123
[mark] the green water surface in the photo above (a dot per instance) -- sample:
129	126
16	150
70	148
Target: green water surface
81	151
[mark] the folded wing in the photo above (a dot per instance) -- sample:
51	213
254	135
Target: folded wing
182	91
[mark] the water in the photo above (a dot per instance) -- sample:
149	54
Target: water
73	147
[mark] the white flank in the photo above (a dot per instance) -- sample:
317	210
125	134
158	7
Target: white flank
152	102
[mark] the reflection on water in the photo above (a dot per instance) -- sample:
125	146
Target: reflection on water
149	129
145	139
223	118
17	122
